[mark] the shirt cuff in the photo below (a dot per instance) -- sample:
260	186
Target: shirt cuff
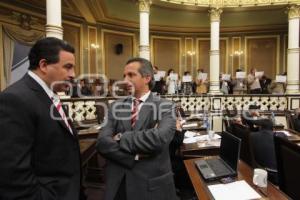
136	157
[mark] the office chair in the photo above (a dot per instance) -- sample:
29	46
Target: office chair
288	165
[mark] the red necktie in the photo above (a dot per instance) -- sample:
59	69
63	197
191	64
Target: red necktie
134	112
60	110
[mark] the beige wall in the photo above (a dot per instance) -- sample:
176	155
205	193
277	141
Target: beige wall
72	35
114	63
166	53
203	54
262	54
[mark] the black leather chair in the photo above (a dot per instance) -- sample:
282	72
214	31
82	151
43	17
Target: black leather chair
243	132
288	164
263	151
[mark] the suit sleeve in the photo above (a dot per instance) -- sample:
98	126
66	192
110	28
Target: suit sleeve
109	148
151	141
17	138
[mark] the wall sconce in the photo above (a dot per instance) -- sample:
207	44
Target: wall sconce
190	53
237	53
95	46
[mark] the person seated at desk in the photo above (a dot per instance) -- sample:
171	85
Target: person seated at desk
296	119
250	116
263	148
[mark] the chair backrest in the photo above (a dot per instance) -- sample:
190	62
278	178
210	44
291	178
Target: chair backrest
290	120
288	165
243	132
263	149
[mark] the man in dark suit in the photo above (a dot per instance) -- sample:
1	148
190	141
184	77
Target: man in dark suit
39	151
136	138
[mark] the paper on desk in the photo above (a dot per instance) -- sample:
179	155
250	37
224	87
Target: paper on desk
285	133
205	137
239	190
189	125
189	134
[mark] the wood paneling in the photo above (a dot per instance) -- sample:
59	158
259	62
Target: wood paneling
223	54
166	53
114	63
262	55
235	59
72	35
92	51
203	55
188	57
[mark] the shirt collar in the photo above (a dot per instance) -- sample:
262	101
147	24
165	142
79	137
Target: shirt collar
42	83
144	97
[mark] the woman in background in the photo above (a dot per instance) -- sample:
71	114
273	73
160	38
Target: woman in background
171	82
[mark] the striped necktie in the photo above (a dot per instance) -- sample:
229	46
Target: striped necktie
134	112
60	110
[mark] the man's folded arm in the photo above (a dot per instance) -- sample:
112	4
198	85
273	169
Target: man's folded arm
110	148
151	141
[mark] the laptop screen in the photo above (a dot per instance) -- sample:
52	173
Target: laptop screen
230	149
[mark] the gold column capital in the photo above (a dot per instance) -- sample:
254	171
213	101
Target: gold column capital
144	5
293	11
215	14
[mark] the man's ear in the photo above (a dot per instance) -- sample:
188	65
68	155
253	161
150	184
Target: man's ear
148	79
43	65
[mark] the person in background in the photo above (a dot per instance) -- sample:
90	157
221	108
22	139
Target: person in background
264	83
39	150
186	87
239	84
74	91
253	82
172	85
159	86
98	88
84	88
201	84
225	85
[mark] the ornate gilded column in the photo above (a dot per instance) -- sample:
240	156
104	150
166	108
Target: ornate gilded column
144	8
293	50
214	65
53	26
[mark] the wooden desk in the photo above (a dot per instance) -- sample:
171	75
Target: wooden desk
200	148
245	173
88	133
87	150
295	137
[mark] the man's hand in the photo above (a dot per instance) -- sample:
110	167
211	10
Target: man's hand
117	137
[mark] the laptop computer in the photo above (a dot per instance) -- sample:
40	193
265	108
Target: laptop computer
226	164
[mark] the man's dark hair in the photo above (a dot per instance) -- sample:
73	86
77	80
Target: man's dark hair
47	48
145	69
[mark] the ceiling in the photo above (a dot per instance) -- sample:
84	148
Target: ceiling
165	16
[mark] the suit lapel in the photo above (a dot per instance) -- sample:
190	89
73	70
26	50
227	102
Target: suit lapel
126	113
42	95
144	113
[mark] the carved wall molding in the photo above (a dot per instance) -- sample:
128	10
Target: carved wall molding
232	3
215	14
144	5
293	11
85	109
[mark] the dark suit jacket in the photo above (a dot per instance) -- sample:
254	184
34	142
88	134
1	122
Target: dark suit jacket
149	178
40	158
296	121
